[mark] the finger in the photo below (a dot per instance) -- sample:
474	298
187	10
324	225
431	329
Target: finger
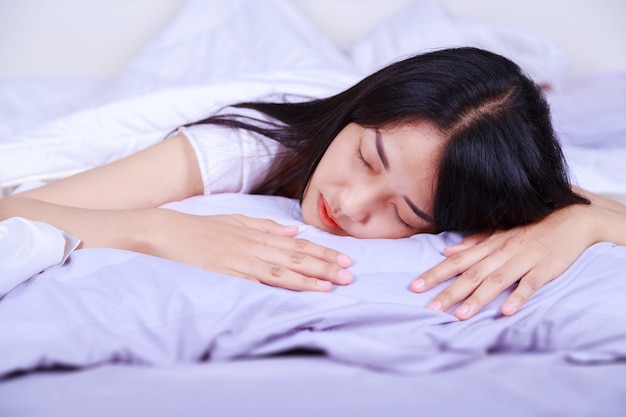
528	285
280	276
450	267
308	259
470	282
502	278
468	242
308	248
296	244
492	286
254	268
268	226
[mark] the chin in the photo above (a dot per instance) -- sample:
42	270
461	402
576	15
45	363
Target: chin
307	216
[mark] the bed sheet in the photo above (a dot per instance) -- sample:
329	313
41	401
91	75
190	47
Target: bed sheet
588	114
122	321
106	305
311	386
565	353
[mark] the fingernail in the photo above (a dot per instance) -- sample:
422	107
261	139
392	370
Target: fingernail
434	305
463	310
325	285
509	308
344	260
418	284
345	276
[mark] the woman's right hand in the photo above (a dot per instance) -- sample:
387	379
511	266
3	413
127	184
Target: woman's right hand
115	206
259	250
256	249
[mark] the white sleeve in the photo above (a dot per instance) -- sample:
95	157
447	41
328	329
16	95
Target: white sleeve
29	247
231	160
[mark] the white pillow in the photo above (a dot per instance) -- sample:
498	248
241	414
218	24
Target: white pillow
214	53
207	41
424	25
213	39
92	137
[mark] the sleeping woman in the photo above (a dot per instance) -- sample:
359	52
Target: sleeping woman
453	140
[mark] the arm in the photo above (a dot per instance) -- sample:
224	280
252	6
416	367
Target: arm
104	206
535	254
165	172
116	206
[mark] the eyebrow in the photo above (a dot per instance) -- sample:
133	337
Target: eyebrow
420	213
383	157
381	151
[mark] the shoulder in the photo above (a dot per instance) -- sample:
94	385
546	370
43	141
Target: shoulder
230	159
228	142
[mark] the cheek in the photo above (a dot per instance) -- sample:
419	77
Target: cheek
323	174
306	202
381	228
309	201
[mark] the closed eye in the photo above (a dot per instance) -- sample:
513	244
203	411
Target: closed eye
361	159
396	214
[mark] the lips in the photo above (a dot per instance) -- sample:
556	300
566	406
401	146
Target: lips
326	218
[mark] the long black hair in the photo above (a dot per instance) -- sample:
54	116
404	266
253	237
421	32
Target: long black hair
501	165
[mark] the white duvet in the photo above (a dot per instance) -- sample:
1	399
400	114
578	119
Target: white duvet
219	52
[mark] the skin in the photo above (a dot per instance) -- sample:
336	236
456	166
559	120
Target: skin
367	174
116	206
366	184
489	263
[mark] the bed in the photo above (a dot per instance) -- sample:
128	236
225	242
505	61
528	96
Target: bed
109	332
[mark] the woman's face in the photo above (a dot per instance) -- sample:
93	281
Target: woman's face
375	183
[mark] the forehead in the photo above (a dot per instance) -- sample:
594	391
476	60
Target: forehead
421	130
412	152
412	145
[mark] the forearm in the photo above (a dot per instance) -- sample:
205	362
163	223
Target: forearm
122	229
601	201
607	217
611	226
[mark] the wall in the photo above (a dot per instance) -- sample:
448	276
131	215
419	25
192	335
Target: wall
97	37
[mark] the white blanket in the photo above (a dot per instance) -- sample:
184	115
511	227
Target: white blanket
218	52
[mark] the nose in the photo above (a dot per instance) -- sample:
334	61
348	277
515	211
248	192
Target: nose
357	203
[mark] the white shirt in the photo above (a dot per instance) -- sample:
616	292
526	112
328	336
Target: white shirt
231	160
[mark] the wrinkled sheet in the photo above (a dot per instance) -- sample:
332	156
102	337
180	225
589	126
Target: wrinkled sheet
384	353
512	385
109	306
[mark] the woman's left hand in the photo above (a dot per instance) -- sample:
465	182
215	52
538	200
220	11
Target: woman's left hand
489	263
